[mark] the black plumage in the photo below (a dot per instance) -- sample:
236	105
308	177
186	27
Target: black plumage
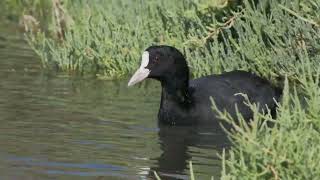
185	102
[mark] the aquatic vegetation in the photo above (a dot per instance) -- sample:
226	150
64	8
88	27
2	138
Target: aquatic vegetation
25	11
104	41
290	149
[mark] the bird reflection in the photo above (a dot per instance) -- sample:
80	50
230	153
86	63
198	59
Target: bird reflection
175	143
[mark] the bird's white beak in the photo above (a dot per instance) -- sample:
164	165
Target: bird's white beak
142	72
138	76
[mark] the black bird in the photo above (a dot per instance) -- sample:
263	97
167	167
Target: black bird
185	102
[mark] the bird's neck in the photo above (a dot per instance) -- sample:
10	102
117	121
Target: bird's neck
176	91
176	99
175	105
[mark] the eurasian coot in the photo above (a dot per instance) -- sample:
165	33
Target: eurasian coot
185	102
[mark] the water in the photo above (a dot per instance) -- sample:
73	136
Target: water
59	127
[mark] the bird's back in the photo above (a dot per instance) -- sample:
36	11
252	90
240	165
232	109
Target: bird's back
227	90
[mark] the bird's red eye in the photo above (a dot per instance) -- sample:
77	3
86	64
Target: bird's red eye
156	59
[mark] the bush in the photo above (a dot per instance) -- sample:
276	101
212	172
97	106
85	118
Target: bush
263	37
104	40
290	149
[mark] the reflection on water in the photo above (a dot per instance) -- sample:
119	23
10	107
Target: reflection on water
57	127
179	145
